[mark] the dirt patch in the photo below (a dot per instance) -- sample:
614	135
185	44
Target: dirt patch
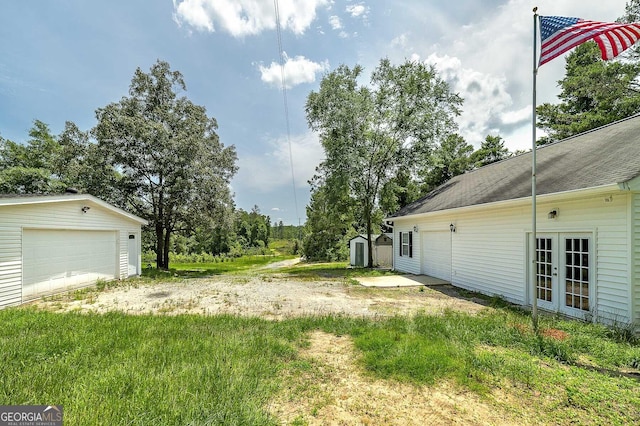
269	297
337	392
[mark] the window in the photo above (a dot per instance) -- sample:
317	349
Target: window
544	262
406	244
577	273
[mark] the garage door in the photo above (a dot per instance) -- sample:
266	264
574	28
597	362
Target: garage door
56	260
436	254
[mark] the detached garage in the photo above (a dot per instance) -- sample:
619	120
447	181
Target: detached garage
54	243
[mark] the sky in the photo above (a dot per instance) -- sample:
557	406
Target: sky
60	60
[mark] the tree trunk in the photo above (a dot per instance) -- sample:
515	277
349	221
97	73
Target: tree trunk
369	244
167	242
160	247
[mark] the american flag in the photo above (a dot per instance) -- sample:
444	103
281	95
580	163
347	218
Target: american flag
559	34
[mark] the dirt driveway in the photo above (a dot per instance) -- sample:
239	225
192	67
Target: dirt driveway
267	296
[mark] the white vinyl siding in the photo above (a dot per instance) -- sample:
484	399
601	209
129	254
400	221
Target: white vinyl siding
489	247
635	243
58	215
409	264
10	264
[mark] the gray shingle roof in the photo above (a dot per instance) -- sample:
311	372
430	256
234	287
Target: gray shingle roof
604	156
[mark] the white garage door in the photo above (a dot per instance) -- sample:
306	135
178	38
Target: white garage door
55	260
436	254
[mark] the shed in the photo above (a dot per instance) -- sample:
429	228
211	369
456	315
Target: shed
53	243
474	230
382	245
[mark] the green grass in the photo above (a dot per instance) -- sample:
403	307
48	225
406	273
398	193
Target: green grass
118	369
115	369
228	266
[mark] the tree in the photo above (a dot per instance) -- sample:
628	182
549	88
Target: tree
175	170
330	220
29	168
368	132
490	151
400	190
451	158
594	93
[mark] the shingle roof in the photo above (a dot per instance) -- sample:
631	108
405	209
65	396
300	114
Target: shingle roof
604	156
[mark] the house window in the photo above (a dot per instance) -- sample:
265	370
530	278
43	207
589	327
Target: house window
577	273
544	262
406	244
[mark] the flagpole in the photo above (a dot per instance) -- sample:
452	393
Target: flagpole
532	243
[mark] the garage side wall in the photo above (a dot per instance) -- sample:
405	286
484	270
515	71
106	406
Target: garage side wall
489	248
635	244
54	215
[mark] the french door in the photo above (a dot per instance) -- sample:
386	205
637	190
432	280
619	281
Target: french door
563	272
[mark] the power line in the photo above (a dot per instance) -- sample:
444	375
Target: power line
286	104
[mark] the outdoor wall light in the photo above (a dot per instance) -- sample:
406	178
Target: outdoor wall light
552	214
452	228
85	209
415	228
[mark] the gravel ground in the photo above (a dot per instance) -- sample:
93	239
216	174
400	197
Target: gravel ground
272	297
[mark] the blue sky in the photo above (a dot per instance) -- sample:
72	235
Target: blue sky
60	60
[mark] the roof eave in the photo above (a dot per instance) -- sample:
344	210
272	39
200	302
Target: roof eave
575	193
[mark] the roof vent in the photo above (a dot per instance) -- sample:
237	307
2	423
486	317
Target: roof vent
70	191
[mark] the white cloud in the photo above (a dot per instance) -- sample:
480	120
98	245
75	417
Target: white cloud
400	41
297	70
276	209
487	102
496	52
241	18
357	10
335	22
271	169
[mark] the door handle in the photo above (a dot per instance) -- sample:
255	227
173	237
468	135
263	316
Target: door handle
555	274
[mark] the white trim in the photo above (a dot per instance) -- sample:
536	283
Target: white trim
514	202
44	199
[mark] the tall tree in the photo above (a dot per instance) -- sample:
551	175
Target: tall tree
330	220
32	168
368	132
594	93
490	151
176	172
451	158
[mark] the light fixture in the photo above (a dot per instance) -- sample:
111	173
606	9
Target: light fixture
553	214
452	228
415	228
85	209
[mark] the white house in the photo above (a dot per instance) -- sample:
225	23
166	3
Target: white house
474	230
52	243
382	245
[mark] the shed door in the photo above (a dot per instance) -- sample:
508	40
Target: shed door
436	254
359	254
56	260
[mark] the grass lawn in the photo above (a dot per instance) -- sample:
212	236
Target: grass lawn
174	370
228	266
187	369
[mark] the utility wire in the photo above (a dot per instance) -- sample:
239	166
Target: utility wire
286	104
